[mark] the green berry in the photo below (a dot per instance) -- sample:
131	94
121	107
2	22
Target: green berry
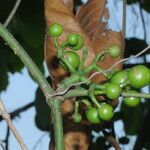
55	30
77	118
139	76
71	57
114	51
105	112
72	39
92	115
131	101
79	45
113	91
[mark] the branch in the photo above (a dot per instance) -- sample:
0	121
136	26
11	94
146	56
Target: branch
17	112
142	18
6	116
124	19
2	145
120	61
11	15
7	138
54	104
111	139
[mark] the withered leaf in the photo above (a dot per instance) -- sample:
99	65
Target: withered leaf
88	23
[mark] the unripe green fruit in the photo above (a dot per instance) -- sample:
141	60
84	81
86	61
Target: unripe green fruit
139	76
55	30
77	118
92	115
71	57
105	112
79	45
120	77
113	91
114	51
72	39
131	101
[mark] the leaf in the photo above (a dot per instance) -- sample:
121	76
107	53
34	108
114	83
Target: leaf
146	5
43	113
6	6
132	118
123	140
3	78
97	38
99	144
29	29
133	46
62	14
29	25
101	38
131	1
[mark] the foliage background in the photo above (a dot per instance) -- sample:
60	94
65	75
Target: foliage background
17	88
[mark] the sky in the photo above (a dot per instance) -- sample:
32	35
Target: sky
21	88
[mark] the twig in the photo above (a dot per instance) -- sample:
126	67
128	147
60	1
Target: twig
38	141
120	61
103	71
6	116
54	104
111	139
124	19
7	138
11	15
17	112
2	145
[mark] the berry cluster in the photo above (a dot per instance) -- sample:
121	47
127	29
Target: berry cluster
98	110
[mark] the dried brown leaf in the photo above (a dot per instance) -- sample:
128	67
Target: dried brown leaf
90	17
58	11
88	23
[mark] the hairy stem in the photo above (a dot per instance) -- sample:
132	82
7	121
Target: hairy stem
39	78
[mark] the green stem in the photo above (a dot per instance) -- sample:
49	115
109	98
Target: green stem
60	55
86	102
89	69
76	93
141	95
58	127
68	81
39	78
98	92
84	56
76	109
94	99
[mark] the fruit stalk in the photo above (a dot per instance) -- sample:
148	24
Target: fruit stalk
140	95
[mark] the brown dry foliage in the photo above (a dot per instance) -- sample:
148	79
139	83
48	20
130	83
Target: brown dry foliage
88	23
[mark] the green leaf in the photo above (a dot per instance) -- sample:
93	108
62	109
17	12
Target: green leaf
132	118
146	5
28	23
43	113
9	60
99	144
134	46
5	8
123	140
131	1
3	78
